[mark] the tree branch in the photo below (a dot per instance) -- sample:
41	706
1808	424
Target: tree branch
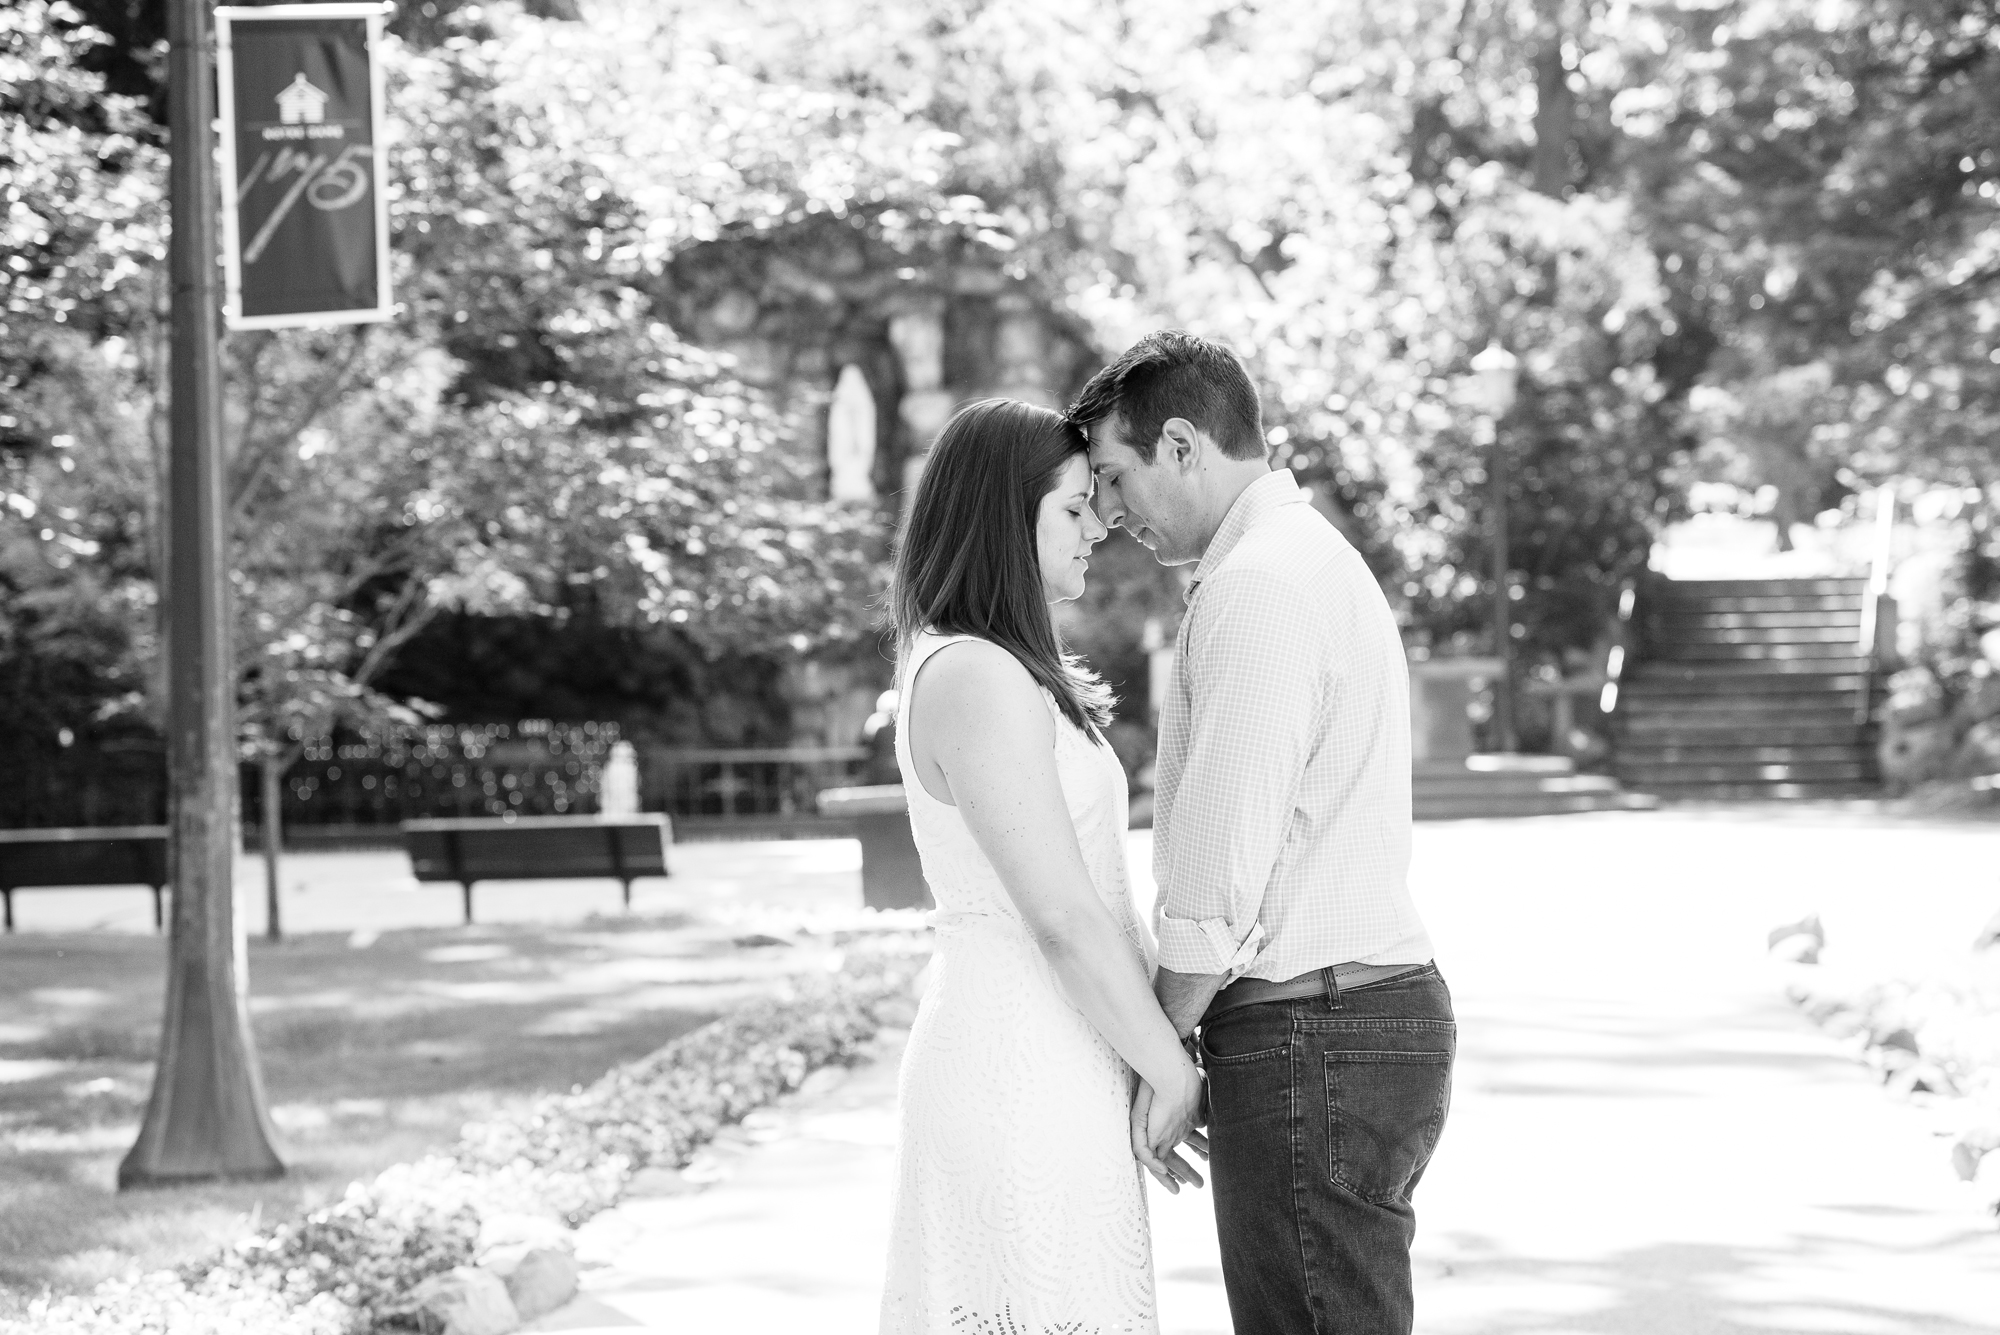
253	362
267	449
411	612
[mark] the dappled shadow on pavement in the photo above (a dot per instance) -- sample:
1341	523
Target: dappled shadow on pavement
375	1048
1687	1288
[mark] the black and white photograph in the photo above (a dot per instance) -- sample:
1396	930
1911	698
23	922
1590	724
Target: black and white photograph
1000	667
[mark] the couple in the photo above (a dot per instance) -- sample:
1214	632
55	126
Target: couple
1292	1009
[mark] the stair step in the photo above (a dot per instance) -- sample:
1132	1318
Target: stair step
1844	637
1804	604
1824	688
1646	777
1638	734
1843	666
1753	792
1712	588
1677	623
1715	752
1486	806
1756	651
1457	785
1833	707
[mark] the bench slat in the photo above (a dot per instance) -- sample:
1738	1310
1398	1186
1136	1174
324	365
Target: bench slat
468	850
99	861
516	854
76	834
105	855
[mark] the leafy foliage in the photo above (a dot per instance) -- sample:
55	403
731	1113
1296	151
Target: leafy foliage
531	433
1825	185
1753	239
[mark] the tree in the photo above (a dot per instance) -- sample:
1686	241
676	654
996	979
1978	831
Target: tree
1825	188
81	179
1644	201
531	428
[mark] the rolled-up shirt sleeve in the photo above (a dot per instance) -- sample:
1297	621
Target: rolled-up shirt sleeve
1255	692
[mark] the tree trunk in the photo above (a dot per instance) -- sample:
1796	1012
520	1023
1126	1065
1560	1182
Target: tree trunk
1555	108
1503	594
206	1119
271	771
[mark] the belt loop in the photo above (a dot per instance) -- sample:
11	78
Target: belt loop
1332	988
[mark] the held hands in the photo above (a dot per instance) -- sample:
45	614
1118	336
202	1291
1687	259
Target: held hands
1161	1122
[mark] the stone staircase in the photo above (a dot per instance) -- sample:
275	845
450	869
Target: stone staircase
1748	688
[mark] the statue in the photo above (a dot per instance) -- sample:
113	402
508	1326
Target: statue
619	795
850	437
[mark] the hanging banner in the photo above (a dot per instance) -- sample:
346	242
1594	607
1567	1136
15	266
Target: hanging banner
305	220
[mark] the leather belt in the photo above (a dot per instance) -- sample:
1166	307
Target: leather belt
1253	991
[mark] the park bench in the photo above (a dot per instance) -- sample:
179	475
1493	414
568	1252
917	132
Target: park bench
471	849
892	875
88	855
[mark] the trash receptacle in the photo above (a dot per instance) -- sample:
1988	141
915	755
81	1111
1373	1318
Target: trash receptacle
891	875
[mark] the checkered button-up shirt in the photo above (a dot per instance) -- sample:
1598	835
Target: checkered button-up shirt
1282	814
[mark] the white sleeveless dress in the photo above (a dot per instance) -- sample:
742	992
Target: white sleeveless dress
1019	1208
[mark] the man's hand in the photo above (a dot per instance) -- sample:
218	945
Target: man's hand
1158	1127
1184	996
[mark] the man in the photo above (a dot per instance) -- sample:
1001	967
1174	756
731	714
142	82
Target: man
1281	844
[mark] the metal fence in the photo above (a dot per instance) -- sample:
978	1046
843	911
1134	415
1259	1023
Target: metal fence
774	790
532	768
124	783
356	788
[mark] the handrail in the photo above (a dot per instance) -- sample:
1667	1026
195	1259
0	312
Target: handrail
1617	659
1873	596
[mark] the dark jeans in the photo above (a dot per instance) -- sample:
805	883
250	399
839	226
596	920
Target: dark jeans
1323	1113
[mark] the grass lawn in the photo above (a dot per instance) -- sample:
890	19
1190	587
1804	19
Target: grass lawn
374	1049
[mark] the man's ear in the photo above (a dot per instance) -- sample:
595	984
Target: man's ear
1183	440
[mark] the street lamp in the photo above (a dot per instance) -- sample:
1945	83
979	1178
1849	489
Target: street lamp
1496	378
206	1120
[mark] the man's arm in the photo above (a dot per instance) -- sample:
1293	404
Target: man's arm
1184	996
1254	671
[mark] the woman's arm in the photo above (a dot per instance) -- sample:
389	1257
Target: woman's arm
977	718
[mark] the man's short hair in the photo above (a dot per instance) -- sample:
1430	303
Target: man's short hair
1175	374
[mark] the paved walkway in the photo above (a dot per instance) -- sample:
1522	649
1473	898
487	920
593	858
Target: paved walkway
1645	1137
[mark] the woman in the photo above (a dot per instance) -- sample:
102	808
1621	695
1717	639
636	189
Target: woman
1019	1207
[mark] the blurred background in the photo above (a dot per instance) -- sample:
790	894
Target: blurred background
688	288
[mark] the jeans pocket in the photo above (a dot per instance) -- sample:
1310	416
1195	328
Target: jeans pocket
1385	1111
1244	1035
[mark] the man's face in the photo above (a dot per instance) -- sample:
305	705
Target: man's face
1154	502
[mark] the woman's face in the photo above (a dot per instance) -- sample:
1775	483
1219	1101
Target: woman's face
1066	528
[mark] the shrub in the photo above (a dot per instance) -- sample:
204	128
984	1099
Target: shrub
351	1267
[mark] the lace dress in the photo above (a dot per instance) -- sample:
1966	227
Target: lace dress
1019	1209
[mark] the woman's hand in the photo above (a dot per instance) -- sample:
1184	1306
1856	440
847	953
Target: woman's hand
1161	1122
978	717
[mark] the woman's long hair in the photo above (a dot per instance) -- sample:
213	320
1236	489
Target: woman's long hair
968	564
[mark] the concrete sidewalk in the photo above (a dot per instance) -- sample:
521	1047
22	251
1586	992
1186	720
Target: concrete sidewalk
1644	1138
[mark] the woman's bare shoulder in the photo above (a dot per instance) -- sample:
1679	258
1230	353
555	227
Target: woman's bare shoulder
975	664
977	682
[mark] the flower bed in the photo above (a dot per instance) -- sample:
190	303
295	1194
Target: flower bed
362	1263
1935	1039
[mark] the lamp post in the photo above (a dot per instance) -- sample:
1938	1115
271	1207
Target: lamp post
206	1120
1496	376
